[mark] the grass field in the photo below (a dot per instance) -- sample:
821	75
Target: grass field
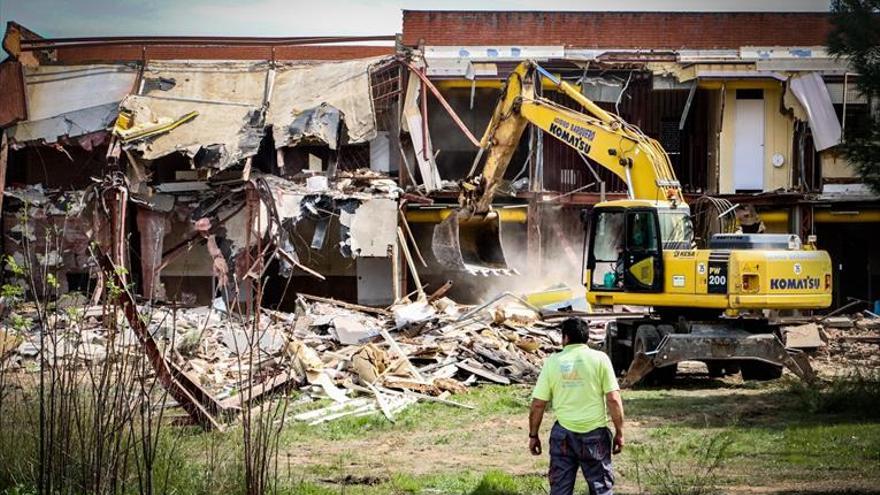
703	436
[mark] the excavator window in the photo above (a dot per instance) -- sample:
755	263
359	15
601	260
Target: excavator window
643	265
625	252
676	229
641	232
608	248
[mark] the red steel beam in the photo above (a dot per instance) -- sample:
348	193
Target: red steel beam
427	82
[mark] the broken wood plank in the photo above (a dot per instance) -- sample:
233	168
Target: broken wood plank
317	413
347	305
290	259
396	348
411	263
380	399
428	398
361	411
272	385
412	238
437	294
470	367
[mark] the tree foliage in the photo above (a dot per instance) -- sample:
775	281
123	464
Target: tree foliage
856	37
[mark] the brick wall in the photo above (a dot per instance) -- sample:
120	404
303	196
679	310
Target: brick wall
658	30
115	53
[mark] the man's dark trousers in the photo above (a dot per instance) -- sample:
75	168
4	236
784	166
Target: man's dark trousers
591	452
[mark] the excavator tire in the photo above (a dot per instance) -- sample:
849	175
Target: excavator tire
620	356
647	339
760	371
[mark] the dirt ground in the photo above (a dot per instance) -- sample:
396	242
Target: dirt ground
766	421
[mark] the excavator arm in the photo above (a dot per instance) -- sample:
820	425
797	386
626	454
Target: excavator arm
470	238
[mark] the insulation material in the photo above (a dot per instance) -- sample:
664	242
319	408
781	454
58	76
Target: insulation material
228	97
313	90
319	125
812	94
72	100
372	227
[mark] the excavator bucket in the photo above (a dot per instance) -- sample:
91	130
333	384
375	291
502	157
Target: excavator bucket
471	243
675	348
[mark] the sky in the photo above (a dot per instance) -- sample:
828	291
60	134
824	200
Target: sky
67	18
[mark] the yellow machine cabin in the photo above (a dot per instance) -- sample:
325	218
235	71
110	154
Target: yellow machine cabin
641	253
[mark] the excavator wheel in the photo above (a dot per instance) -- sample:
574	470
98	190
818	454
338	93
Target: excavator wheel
647	339
619	355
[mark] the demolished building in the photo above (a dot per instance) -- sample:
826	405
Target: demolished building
193	171
198	163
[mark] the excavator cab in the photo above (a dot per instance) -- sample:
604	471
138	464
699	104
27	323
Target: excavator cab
626	243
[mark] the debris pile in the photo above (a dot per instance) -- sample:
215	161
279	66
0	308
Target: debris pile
852	343
365	360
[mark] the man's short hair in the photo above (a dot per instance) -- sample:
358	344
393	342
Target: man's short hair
576	330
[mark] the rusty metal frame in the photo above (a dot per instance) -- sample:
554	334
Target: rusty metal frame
201	406
445	104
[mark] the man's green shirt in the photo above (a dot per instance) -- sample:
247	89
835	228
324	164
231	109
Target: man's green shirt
575	382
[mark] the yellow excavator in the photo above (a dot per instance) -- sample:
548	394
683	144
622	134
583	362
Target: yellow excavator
706	304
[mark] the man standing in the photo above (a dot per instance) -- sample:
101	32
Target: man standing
580	384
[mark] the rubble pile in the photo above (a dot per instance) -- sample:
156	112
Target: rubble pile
852	343
365	360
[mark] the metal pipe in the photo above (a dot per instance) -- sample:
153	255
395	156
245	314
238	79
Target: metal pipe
629	181
437	215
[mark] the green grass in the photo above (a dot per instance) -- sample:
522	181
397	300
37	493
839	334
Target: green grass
488	401
776	434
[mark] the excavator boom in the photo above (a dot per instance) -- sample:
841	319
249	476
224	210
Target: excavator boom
470	238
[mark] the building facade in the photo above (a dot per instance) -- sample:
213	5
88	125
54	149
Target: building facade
196	161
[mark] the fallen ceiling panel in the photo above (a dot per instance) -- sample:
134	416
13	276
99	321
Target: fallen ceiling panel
72	100
227	98
308	99
810	91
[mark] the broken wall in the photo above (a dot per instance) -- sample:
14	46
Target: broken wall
71	101
228	98
309	101
778	137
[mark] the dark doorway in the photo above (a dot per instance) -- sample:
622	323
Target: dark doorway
855	259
